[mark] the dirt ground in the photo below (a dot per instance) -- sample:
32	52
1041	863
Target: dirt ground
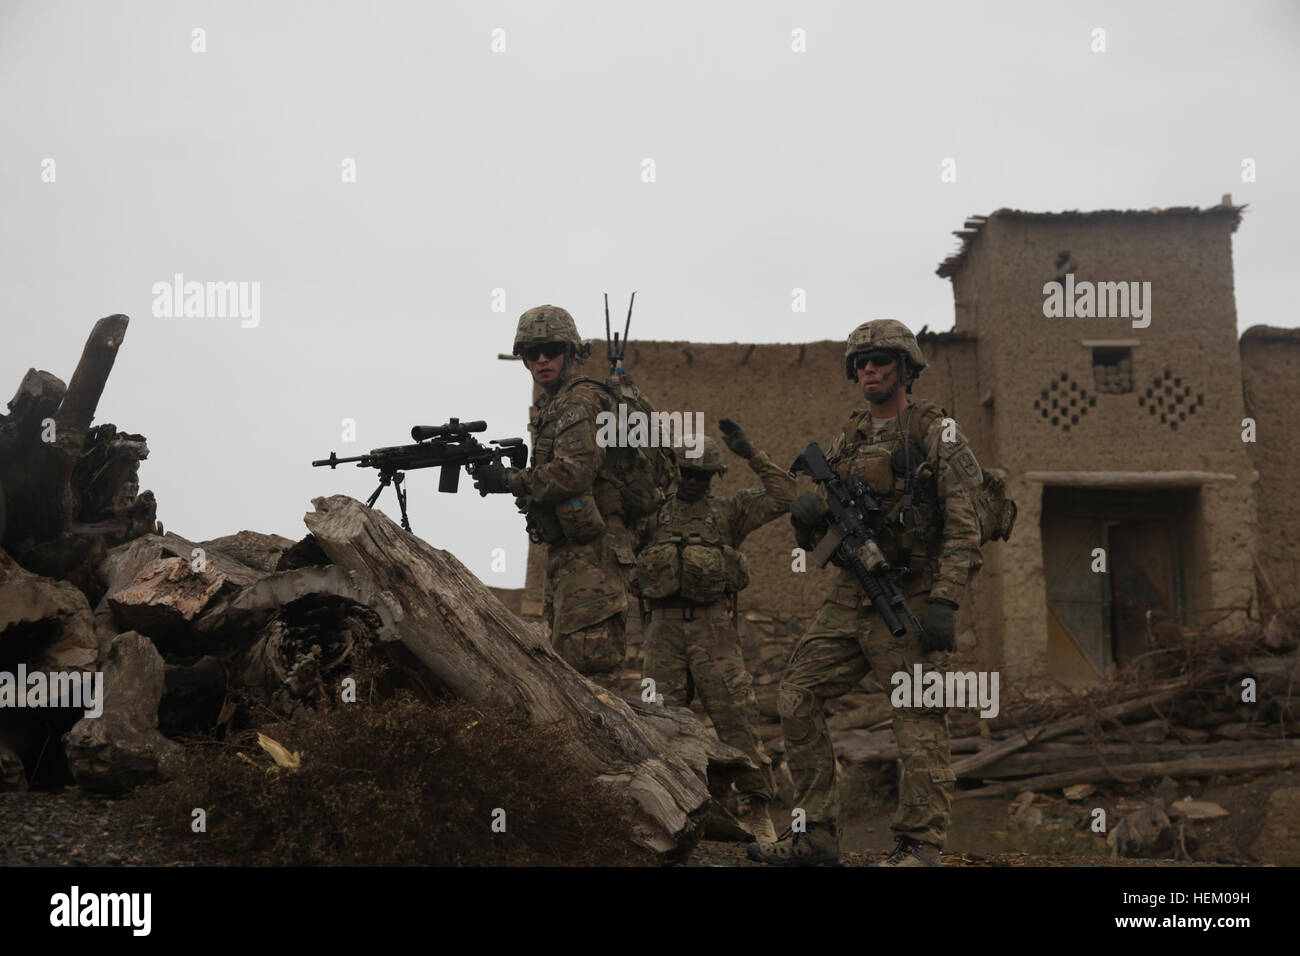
983	833
60	828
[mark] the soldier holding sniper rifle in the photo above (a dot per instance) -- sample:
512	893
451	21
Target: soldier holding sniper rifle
449	447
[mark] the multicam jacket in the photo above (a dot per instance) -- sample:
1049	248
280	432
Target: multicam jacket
566	480
574	508
942	532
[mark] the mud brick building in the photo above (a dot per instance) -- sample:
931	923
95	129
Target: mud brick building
1110	435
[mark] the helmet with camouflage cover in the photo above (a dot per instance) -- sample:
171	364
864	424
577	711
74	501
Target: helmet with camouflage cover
710	458
549	323
884	334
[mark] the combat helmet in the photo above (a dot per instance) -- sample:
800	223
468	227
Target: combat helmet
549	323
710	458
884	334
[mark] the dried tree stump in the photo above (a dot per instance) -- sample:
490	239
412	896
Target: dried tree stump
485	654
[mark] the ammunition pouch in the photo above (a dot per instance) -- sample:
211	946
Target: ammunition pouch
579	518
657	570
690	566
996	512
704	571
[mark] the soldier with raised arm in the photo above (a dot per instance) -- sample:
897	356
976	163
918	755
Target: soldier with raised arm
689	572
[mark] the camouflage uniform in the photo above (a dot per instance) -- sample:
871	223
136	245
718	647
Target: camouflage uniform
847	638
576	510
692	647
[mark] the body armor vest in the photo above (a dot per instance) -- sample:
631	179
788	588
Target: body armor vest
586	516
913	525
689	555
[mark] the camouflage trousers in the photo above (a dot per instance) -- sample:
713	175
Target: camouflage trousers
597	652
686	656
585	599
844	642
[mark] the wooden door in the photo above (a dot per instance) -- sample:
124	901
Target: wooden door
1078	609
1142	566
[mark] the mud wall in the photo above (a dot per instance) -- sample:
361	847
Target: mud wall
1181	410
1270	364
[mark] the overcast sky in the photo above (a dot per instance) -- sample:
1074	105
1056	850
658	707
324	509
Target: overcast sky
524	170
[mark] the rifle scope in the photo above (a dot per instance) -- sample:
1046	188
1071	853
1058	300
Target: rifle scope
454	428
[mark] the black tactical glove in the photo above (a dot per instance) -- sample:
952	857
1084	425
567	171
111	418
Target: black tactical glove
939	631
492	478
808	511
736	438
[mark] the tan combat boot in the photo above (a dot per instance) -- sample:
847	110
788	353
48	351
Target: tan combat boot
751	813
820	845
909	852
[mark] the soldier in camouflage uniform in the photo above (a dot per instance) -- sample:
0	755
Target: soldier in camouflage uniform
572	505
939	541
690	572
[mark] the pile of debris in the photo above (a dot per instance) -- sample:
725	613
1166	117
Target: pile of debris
1192	709
182	631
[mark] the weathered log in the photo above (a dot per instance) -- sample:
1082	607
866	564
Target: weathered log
164	598
237	574
106	475
38	478
268	629
1147	732
487	655
253	607
1281	756
252	549
305	554
122	747
1022	739
45	624
1072	757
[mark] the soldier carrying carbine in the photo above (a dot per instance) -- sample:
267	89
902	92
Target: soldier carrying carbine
926	480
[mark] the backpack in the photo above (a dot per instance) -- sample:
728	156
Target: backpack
996	512
645	476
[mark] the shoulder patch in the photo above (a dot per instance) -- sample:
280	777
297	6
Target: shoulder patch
568	418
964	462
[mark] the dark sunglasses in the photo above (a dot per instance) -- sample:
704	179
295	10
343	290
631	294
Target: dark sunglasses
878	359
551	349
695	474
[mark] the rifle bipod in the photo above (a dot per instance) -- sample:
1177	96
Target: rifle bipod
395	478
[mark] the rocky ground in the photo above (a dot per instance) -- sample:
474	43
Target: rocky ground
71	828
68	827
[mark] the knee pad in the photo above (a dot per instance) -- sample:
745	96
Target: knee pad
796	705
